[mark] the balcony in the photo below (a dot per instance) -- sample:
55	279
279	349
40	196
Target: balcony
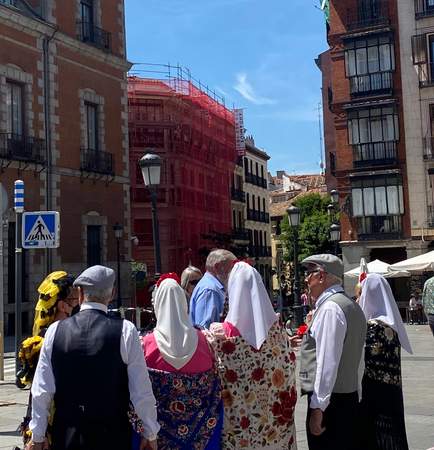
374	154
423	8
240	234
96	161
368	14
259	251
371	84
90	34
238	195
379	227
256	180
258	216
15	147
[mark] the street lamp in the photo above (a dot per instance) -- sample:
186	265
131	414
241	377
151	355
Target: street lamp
334	194
335	235
119	230
294	222
150	165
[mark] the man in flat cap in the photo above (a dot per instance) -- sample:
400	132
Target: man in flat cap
331	353
92	366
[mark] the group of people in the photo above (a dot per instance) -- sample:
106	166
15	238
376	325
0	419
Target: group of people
219	369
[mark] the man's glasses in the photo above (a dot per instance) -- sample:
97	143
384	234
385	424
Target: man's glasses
308	273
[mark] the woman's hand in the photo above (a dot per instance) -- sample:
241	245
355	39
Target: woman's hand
295	341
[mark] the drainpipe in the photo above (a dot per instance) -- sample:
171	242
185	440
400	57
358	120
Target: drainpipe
48	153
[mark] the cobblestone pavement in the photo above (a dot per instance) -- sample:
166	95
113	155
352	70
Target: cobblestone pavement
418	383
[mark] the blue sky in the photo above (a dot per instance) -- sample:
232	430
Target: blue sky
258	54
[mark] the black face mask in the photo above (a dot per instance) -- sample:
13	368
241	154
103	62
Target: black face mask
75	310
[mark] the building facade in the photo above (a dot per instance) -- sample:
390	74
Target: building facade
257	221
365	133
194	134
63	131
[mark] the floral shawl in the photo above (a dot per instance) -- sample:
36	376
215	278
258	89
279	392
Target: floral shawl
259	392
189	410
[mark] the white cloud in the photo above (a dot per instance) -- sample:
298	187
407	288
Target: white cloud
245	89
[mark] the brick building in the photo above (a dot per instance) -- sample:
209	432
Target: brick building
194	133
63	131
365	133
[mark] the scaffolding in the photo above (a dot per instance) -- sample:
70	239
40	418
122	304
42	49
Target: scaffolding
190	127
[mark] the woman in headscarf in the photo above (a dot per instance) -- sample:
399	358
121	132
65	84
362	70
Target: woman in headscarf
382	399
257	368
181	367
57	300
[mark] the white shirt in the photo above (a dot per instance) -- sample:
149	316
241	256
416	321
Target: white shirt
328	328
139	384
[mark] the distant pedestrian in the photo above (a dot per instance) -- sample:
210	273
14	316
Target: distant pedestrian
428	301
382	399
330	357
208	298
92	366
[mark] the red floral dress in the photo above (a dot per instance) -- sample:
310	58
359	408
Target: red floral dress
259	393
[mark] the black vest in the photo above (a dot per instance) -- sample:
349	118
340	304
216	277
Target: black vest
91	378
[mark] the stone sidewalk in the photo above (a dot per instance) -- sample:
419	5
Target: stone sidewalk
418	382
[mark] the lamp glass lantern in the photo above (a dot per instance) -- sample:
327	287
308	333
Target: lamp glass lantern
335	232
293	216
118	229
334	194
150	165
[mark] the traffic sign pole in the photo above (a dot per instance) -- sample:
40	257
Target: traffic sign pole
19	209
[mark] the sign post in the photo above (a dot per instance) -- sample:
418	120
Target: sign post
19	209
3	209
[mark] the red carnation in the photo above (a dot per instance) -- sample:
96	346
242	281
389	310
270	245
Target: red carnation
258	374
228	347
245	422
301	330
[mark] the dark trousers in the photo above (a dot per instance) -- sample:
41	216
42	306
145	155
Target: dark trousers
431	322
341	423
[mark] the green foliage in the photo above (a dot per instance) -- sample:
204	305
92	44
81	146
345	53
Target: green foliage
314	229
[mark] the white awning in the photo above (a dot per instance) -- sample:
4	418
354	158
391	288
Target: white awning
421	263
380	267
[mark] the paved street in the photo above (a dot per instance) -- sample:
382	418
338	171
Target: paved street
418	380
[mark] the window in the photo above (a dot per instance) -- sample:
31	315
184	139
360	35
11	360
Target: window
373	125
364	56
87	19
332	159
91	126
14	108
93	245
380	196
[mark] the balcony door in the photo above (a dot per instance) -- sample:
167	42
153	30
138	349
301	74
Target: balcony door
14	108
87	19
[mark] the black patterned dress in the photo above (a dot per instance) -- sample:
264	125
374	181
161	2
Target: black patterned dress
382	402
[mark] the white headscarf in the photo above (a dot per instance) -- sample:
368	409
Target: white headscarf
176	338
378	303
250	309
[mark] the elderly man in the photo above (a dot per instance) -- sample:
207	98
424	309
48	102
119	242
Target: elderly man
208	298
331	352
92	366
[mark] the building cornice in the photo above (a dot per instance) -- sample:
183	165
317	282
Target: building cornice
38	28
257	152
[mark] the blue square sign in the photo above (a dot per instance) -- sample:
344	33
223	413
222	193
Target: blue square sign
41	229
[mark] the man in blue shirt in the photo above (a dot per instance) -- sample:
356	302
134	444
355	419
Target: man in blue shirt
208	298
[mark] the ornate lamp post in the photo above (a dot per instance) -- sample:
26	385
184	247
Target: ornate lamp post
150	165
335	236
119	230
294	222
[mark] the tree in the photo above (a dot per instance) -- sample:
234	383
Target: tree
314	229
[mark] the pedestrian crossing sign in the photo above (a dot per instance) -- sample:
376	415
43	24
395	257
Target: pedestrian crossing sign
41	229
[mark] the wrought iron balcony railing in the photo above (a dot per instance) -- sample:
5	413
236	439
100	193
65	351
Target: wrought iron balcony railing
238	194
22	148
371	83
8	2
89	33
240	234
375	154
96	161
367	14
256	180
379	227
423	8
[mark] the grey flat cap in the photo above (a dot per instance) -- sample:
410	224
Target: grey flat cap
330	263
98	277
